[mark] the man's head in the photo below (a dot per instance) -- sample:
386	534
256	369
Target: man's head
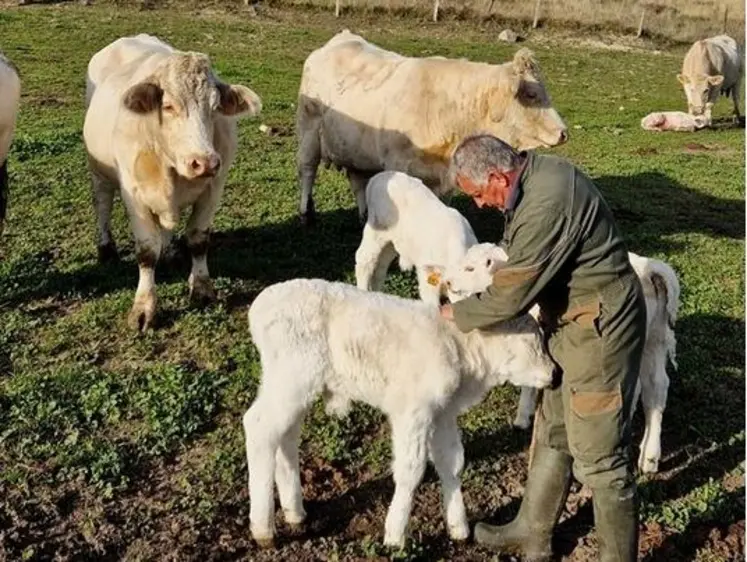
485	168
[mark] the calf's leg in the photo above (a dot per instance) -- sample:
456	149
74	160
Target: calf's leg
409	431
447	454
288	477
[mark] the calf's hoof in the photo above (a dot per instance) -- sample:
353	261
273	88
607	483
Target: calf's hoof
459	533
648	465
108	253
201	292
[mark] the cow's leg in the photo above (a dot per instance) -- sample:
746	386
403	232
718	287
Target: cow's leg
198	229
147	234
447	453
103	199
373	250
735	97
527	405
3	193
288	477
358	182
409	433
654	390
308	158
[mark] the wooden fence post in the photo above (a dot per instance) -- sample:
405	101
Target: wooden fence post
726	19
490	8
640	23
436	5
337	8
536	14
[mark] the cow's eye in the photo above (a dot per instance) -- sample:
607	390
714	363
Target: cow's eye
168	108
469	269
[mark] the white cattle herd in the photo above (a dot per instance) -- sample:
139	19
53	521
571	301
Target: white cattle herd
160	128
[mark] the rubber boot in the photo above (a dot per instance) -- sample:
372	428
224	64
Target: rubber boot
616	522
529	534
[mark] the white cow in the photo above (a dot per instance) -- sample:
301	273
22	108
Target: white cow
366	109
661	290
10	95
711	66
318	337
161	127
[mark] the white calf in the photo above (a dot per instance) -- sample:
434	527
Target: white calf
661	289
406	218
10	95
318	337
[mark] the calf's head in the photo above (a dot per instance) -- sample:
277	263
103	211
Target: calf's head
185	97
518	106
701	91
473	274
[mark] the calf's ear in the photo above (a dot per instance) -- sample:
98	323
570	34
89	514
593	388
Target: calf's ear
143	97
716	80
683	79
238	100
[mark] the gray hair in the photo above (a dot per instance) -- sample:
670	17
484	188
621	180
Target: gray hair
479	154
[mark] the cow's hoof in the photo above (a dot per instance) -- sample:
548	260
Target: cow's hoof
141	316
308	219
201	292
108	253
265	543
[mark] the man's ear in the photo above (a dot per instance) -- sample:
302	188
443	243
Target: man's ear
497	179
143	97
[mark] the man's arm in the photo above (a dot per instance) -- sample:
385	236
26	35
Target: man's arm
538	249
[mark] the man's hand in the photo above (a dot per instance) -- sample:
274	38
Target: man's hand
446	311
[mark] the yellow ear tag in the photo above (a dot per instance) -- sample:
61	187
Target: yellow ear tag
434	278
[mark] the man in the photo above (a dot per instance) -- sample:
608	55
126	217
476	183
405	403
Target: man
566	254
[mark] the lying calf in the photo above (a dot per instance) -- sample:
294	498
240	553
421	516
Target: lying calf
322	338
407	218
661	290
673	121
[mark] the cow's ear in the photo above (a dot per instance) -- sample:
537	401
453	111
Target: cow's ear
525	63
683	79
143	97
238	100
716	80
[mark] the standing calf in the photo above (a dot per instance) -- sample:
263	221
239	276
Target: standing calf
661	290
322	338
10	94
160	126
406	218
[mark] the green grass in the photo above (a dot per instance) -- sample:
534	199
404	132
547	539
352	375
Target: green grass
114	445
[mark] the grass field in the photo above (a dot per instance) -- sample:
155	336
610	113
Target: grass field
119	446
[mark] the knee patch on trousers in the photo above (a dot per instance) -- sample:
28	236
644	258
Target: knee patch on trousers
595	424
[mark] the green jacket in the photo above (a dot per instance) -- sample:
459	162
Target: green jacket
563	248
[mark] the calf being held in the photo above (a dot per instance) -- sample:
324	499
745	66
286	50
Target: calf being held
318	337
661	290
160	126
